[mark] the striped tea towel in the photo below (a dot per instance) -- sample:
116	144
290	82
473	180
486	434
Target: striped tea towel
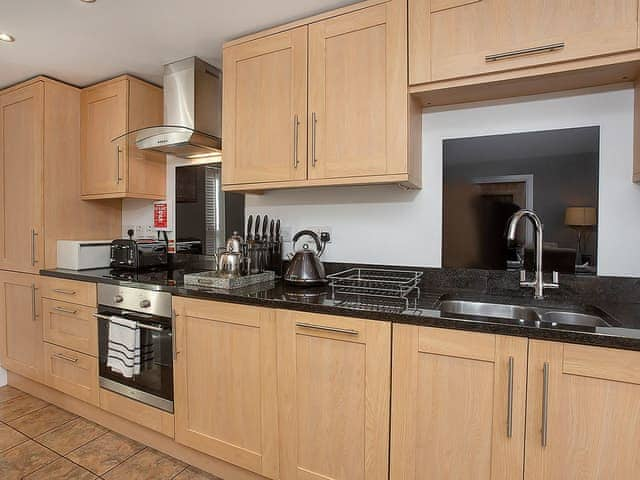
123	351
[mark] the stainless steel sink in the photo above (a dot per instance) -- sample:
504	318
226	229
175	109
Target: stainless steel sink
492	310
525	315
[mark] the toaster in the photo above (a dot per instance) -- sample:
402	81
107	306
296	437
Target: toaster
138	254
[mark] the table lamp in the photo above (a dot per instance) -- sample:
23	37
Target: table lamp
582	220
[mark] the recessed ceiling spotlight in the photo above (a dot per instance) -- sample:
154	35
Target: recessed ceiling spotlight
88	1
5	37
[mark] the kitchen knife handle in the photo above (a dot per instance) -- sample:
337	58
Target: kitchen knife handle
296	124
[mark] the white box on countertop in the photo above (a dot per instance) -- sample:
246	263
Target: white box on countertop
84	254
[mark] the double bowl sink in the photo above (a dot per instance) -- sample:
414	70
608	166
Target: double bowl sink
588	318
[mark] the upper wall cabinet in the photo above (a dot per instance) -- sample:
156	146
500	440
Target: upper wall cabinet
118	169
457	38
321	103
40	185
265	109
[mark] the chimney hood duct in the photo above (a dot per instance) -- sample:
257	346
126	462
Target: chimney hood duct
192	112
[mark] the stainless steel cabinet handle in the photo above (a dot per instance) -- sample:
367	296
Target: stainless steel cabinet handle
525	51
118	151
65	358
510	400
34	313
296	124
34	234
173	333
314	121
65	310
64	292
346	331
545	403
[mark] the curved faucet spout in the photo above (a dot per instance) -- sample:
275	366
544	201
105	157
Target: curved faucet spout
515	220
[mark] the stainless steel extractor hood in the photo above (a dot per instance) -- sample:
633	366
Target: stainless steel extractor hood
192	112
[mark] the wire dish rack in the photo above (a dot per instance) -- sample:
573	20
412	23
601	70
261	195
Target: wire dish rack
401	285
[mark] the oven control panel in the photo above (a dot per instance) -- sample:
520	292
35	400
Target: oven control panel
152	302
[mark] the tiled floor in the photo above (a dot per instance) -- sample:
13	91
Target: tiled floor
39	441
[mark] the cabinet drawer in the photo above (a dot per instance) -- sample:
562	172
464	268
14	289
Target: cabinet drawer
70	325
137	412
81	293
73	373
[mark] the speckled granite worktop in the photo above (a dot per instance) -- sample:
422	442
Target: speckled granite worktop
619	299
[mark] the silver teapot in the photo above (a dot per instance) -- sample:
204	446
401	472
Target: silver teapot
232	260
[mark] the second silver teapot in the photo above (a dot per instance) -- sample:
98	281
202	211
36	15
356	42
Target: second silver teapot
232	259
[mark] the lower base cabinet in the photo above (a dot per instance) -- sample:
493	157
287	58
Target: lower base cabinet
334	393
71	372
583	413
225	383
22	346
458	405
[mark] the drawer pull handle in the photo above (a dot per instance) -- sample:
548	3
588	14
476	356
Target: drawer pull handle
65	310
510	400
525	51
64	292
346	331
545	403
65	358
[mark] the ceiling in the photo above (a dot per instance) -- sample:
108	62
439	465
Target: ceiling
83	43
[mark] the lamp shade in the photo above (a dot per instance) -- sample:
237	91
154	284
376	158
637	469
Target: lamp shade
580	216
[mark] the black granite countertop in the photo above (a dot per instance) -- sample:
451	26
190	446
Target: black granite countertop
624	317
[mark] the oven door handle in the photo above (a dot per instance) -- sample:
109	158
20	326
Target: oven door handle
138	324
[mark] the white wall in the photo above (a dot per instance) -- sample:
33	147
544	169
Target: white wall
3	377
388	225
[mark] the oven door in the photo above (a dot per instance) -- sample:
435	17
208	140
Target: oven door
151	379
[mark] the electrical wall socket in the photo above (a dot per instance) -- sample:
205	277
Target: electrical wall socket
319	230
285	233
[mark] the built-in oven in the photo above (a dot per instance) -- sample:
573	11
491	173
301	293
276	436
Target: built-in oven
135	344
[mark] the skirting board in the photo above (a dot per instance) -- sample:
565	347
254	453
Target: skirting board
136	432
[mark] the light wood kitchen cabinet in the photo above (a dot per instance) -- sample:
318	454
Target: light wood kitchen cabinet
118	169
73	373
355	129
40	186
265	114
334	394
457	38
583	412
21	155
21	325
225	383
458	405
70	325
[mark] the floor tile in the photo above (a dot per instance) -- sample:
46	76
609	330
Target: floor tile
24	459
7	393
17	407
9	437
149	464
105	452
192	473
61	469
41	421
71	435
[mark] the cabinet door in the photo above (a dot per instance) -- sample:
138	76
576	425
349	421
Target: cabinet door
21	325
265	109
225	383
357	93
583	412
458	405
334	389
103	118
21	161
452	38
